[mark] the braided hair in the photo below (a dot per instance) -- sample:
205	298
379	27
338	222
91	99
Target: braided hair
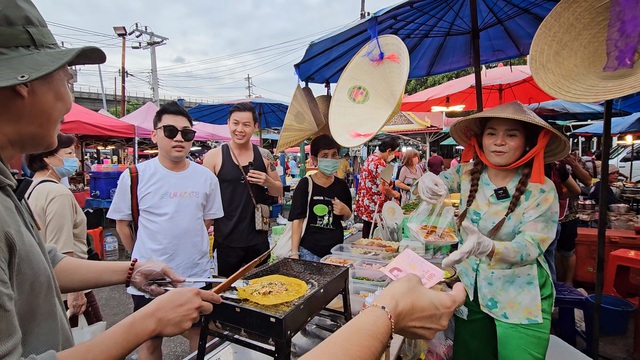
515	199
474	172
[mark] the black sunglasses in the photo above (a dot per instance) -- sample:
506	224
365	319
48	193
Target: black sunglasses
170	132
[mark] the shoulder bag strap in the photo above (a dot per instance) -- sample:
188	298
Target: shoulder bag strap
246	180
304	223
38	183
135	206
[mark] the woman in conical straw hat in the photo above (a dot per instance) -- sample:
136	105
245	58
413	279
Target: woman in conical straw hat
509	217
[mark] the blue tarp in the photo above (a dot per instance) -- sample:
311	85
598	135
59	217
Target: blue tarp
630	103
271	112
437	34
567	110
619	126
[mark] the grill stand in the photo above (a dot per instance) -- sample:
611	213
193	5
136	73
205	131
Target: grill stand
279	342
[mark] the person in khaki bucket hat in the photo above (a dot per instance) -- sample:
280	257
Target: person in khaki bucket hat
34	97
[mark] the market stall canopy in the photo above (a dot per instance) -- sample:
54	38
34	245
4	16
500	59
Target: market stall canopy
563	110
619	126
500	85
449	142
296	149
411	122
217	132
82	121
630	103
142	118
270	112
438	34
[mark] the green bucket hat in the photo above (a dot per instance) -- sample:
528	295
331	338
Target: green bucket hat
29	51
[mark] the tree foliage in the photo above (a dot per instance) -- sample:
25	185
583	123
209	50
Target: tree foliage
130	107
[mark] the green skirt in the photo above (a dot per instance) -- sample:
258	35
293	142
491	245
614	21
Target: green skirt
482	337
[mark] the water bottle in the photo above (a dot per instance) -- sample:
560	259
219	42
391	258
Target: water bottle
110	247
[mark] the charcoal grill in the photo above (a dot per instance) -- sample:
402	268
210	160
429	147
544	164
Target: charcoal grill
269	328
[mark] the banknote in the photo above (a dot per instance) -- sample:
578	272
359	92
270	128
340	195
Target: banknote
408	262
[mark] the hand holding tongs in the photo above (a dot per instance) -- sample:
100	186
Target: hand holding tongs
223	284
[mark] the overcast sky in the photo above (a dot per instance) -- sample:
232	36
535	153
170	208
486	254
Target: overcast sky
212	46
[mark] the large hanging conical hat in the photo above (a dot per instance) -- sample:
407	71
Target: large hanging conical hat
587	51
303	119
324	101
369	91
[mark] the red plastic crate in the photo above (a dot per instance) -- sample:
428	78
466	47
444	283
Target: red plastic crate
587	249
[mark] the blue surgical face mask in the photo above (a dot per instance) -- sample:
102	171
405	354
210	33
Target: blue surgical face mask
328	166
69	166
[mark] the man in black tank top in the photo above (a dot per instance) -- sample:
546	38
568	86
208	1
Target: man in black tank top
237	241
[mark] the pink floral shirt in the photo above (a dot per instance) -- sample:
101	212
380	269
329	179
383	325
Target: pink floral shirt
369	196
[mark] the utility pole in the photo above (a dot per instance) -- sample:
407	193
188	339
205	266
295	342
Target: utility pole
121	31
150	41
249	86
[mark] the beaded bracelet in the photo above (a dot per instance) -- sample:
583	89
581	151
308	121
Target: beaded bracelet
393	324
127	282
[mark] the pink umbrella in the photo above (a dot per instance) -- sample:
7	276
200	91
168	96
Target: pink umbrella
142	118
499	85
217	132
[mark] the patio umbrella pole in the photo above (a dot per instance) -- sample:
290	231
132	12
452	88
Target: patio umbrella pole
475	35
135	145
602	225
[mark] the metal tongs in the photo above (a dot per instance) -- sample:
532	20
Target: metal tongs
223	284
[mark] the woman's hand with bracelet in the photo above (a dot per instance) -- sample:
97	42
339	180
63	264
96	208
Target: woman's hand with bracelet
146	271
418	312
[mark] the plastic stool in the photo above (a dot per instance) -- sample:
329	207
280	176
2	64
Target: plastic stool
98	240
568	299
620	257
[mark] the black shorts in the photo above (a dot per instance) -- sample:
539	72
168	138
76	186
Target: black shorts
567	239
140	301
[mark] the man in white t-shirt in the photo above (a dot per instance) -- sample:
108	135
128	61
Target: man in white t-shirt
178	200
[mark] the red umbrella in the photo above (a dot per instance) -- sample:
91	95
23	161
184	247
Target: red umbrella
82	121
296	149
499	85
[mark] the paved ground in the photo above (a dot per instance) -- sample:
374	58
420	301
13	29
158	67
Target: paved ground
116	304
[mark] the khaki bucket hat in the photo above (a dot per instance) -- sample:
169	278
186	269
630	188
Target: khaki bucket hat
463	129
29	51
569	52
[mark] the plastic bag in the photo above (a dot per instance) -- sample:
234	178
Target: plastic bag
434	224
85	332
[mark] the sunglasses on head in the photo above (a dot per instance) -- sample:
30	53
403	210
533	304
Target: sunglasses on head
170	132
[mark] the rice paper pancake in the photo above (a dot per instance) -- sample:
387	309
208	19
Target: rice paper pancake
273	289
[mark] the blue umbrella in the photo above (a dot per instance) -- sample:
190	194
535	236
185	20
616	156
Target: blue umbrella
629	103
270	112
619	126
566	110
441	36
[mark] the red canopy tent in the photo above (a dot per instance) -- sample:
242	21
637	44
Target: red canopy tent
499	85
82	121
296	149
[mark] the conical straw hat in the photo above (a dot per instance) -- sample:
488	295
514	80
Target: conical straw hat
463	129
324	101
302	121
569	53
369	91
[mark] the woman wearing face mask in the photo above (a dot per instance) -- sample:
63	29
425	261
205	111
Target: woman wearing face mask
373	192
60	218
409	173
329	205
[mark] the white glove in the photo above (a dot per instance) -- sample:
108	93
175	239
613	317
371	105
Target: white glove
475	244
431	188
